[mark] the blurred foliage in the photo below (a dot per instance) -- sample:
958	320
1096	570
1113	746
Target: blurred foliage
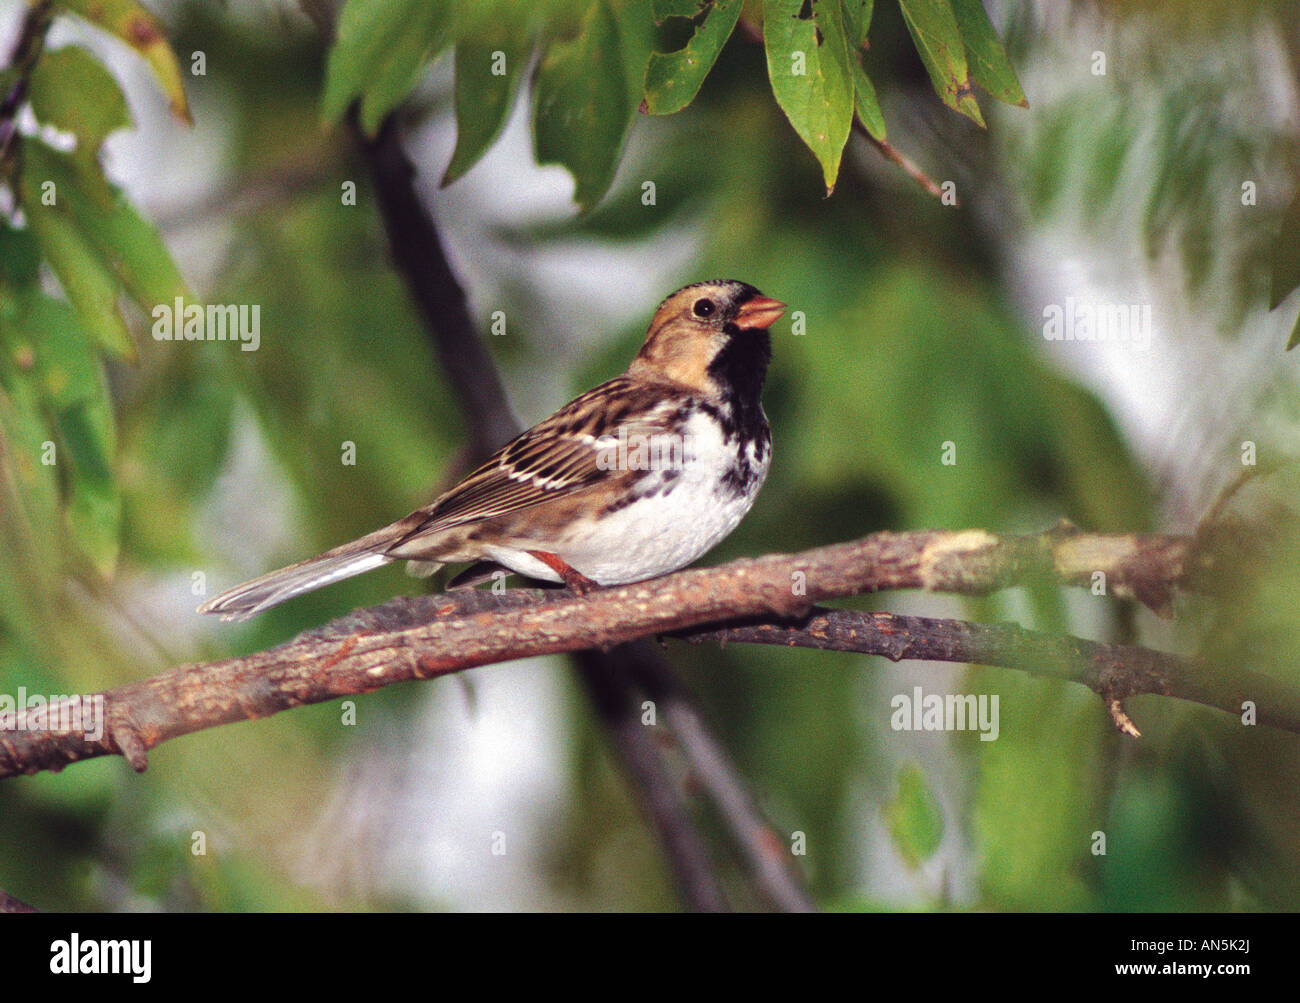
598	63
171	462
132	24
914	817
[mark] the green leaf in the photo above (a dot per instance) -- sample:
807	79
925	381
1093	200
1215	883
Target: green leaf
984	53
664	9
20	258
483	97
128	244
865	102
857	20
914	817
143	32
91	215
379	52
90	287
933	26
63	363
170	467
674	78
1286	263
65	380
637	33
366	31
30	514
423	36
72	91
139	258
812	77
94	509
581	111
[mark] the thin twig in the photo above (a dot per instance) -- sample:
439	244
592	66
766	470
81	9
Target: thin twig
620	713
419	257
27	52
768	856
1114	672
891	152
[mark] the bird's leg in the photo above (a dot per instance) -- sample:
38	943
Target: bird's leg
575	580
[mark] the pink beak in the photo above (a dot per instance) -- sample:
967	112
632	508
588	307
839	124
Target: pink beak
759	313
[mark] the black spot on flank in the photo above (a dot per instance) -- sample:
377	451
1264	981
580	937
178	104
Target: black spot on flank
741	475
805	12
622	501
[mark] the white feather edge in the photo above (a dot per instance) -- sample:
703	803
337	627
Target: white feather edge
251	598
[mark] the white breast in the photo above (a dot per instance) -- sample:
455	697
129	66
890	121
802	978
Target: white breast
664	530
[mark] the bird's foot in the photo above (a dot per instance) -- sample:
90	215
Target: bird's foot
576	581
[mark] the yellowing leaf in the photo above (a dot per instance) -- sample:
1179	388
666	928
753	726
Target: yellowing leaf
987	58
674	78
143	32
933	27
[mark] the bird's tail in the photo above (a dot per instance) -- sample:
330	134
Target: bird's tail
243	601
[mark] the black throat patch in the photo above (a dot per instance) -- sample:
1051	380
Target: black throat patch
739	371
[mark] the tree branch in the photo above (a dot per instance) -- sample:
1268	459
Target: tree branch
1112	671
419	257
429	636
765	852
619	712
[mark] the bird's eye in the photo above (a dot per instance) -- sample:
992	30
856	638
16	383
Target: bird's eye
704	308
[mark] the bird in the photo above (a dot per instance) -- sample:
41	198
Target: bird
640	476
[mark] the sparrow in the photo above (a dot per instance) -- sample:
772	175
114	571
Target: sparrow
629	481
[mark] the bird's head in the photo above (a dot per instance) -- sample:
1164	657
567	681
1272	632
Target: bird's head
711	337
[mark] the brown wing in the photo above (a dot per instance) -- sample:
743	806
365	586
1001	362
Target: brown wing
553	458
